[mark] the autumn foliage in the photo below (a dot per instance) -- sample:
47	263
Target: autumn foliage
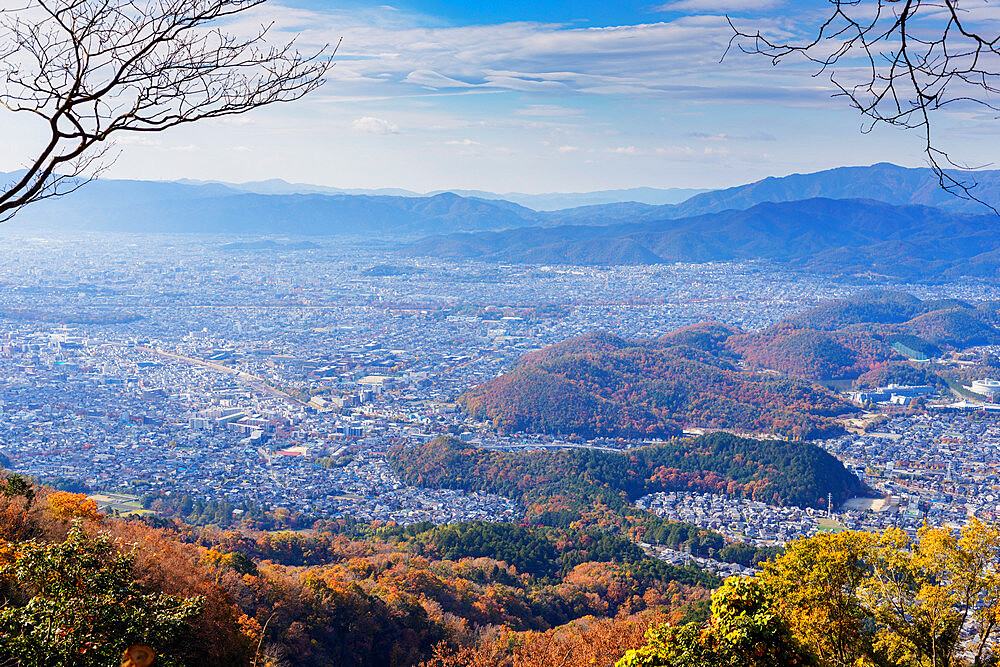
584	643
65	505
847	338
477	595
379	596
852	598
603	386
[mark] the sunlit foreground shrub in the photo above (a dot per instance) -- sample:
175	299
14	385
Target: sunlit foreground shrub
77	589
851	598
84	606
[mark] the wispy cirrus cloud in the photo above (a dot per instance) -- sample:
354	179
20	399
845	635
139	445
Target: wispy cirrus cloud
549	111
676	56
723	137
416	99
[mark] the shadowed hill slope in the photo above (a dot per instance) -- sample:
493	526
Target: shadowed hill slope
842	237
771	471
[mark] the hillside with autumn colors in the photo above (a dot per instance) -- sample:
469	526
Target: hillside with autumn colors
566	580
714	376
339	593
847	338
600	385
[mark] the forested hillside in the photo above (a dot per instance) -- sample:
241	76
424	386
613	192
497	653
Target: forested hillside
604	386
714	376
547	483
338	594
850	337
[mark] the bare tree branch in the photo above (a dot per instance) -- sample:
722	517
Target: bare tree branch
93	69
898	62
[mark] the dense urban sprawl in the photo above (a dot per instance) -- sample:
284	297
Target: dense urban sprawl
279	375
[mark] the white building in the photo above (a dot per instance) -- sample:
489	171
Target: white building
988	388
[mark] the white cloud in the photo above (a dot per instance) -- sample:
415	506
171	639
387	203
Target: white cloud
676	151
139	140
677	58
238	121
627	97
723	137
146	141
372	125
430	79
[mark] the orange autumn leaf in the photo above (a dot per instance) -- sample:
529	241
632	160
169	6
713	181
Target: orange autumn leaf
66	505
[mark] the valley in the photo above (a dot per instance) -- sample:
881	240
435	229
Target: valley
447	445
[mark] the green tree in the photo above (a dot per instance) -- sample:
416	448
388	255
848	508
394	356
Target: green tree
80	606
744	631
16	485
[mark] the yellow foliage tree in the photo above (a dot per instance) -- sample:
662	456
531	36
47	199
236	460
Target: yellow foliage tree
853	599
66	505
888	600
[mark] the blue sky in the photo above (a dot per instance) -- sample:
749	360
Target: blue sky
536	96
579	13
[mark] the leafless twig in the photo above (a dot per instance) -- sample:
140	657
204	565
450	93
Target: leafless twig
93	69
898	62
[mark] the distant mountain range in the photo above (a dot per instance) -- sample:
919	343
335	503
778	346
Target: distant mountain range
552	201
877	221
845	236
882	182
157	207
280	208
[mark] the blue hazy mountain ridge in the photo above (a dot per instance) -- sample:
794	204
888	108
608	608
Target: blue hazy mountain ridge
882	182
840	236
209	207
560	201
278	186
549	201
123	206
